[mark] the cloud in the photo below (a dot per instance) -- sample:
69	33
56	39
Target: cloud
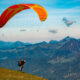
53	31
22	30
68	22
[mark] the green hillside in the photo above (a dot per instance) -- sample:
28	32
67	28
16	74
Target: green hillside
6	74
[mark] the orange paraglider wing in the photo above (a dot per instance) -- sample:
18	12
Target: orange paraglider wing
13	10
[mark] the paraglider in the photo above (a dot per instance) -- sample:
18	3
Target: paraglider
14	9
20	64
68	22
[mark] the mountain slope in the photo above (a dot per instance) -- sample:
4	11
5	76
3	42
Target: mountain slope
6	74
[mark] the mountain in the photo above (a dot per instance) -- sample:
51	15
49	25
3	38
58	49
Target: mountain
6	74
4	44
72	45
9	45
66	39
53	42
17	44
53	61
68	45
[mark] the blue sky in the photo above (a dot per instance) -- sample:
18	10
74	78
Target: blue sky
37	31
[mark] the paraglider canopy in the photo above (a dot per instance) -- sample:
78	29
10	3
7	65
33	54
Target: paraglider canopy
13	10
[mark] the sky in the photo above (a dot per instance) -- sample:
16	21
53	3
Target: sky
33	30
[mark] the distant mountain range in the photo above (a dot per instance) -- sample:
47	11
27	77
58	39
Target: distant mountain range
55	60
9	45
